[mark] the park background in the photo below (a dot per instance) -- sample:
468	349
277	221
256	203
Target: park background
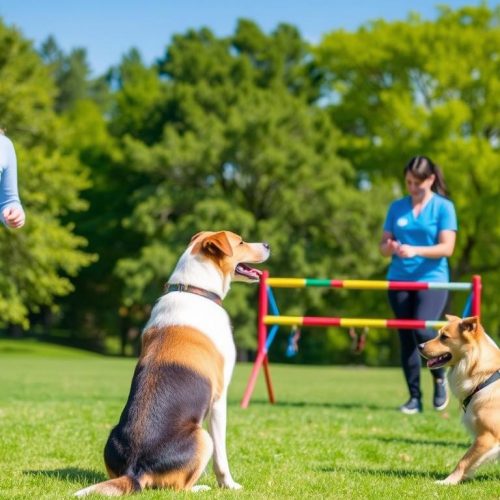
266	132
286	121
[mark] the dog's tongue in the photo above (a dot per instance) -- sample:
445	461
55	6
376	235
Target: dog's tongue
439	361
248	271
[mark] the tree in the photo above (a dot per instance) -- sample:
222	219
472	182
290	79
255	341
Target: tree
39	260
70	73
428	87
97	128
237	146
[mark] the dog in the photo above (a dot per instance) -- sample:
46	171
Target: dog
474	378
182	375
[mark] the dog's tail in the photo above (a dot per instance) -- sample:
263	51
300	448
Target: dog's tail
112	488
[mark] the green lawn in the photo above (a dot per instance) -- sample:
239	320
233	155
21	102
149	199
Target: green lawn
334	432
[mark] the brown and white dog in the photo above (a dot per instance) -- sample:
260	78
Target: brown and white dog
182	375
474	378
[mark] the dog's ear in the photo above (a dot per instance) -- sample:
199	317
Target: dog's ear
218	241
195	236
451	318
197	246
469	325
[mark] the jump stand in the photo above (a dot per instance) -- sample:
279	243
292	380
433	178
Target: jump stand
266	301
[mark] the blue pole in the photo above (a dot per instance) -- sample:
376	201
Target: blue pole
468	307
272	301
276	312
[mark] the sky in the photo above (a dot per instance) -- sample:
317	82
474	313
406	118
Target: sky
107	29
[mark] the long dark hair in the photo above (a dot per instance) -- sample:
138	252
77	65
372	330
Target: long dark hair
422	168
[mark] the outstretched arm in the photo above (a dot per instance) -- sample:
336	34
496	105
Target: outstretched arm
11	209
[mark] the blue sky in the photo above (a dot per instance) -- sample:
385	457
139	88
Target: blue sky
109	28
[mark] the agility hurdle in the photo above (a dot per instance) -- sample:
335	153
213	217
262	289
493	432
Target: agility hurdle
266	301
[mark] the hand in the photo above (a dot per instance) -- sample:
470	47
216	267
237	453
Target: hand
393	246
14	217
390	246
406	251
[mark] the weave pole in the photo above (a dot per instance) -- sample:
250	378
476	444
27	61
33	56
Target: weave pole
264	319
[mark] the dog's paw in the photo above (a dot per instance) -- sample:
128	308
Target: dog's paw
231	485
84	492
200	487
448	481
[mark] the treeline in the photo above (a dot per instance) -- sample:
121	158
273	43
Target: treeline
262	133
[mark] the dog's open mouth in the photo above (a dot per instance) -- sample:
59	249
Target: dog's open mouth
439	361
248	272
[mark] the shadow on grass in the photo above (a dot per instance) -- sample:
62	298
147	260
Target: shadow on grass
412	441
314	404
384	472
11	350
405	473
72	474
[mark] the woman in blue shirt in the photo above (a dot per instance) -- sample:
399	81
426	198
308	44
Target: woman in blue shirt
419	235
11	210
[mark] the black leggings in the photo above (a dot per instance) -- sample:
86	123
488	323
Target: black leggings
419	304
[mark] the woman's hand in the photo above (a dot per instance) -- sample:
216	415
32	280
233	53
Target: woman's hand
14	217
388	246
393	246
444	248
406	251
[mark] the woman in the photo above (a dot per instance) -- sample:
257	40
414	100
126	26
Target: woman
419	234
11	210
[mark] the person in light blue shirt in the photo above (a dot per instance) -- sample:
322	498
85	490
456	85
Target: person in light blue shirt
11	210
419	235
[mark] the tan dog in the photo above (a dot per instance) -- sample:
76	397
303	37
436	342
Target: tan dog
182	375
474	378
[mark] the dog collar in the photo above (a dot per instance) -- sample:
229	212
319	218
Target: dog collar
488	381
179	287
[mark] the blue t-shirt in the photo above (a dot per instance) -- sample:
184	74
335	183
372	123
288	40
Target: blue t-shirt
437	215
8	176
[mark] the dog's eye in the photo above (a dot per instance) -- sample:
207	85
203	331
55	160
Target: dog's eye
241	242
444	337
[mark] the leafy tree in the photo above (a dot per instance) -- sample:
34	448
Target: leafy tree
137	108
428	87
39	260
93	306
282	58
235	151
70	72
71	75
84	106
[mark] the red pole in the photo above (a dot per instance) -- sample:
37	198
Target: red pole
263	308
261	341
269	384
253	378
476	295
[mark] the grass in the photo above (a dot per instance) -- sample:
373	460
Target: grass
334	432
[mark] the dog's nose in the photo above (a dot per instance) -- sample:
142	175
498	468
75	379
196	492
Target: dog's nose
420	346
266	245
